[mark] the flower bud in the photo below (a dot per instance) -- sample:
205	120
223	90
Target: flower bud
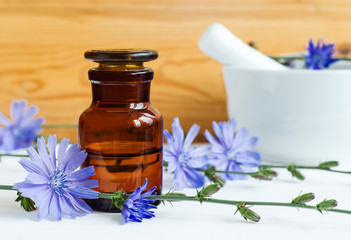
265	174
269	172
328	164
247	213
210	171
218	180
292	169
207	191
26	203
211	189
211	175
304	198
326	205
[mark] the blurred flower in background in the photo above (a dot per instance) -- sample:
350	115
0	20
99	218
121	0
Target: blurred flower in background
22	129
182	158
319	55
232	151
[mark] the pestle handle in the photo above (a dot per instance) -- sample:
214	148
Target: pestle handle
220	44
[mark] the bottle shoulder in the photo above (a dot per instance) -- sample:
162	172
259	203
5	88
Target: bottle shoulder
132	113
122	109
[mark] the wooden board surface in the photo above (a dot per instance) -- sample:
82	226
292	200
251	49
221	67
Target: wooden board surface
42	45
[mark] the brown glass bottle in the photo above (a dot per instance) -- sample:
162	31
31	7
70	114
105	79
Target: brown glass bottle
121	132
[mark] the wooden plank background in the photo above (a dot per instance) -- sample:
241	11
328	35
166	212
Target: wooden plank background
42	44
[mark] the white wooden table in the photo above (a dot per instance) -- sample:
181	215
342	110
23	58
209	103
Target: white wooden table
190	220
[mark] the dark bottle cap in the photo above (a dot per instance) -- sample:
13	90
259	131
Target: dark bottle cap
121	65
121	55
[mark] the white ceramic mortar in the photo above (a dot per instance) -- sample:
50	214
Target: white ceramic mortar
300	116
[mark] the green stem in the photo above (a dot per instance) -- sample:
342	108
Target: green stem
6	187
229	172
307	167
46	137
60	126
106	195
229	202
287	58
290	58
13	155
165	164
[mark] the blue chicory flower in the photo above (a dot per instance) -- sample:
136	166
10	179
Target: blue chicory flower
136	207
233	151
182	158
57	187
319	56
22	130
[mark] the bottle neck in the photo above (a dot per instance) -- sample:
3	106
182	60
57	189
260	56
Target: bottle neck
127	92
124	82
